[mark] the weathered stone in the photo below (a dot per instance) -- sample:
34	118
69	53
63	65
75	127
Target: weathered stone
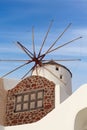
27	85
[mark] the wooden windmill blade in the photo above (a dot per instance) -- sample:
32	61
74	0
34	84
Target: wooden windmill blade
58	37
34	52
1	60
39	59
64	44
28	72
16	69
61	60
25	50
45	37
65	60
56	40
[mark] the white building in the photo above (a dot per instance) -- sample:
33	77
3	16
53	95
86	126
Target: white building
51	91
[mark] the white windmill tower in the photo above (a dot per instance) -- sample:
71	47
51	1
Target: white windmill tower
60	75
30	97
50	69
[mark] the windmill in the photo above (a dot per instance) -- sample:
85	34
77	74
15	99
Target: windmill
39	59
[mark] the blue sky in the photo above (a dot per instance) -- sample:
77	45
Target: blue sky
17	18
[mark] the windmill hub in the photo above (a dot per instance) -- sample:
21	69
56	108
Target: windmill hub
37	61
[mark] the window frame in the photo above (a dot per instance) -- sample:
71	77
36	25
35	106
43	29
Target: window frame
29	101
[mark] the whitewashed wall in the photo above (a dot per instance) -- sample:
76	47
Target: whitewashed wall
50	72
63	117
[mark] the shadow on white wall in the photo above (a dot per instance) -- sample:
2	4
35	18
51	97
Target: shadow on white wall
81	120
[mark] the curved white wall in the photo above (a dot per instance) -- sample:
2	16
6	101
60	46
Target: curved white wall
63	117
70	114
50	72
81	120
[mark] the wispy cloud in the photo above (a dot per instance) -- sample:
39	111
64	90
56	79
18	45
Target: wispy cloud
26	39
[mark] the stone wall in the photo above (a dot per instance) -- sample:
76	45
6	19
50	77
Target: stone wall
31	100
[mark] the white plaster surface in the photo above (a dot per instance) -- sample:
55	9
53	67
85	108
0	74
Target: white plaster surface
70	109
10	83
50	72
63	116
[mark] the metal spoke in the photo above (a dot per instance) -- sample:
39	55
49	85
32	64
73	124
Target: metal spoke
45	37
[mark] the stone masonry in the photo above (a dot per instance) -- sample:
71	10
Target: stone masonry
31	100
